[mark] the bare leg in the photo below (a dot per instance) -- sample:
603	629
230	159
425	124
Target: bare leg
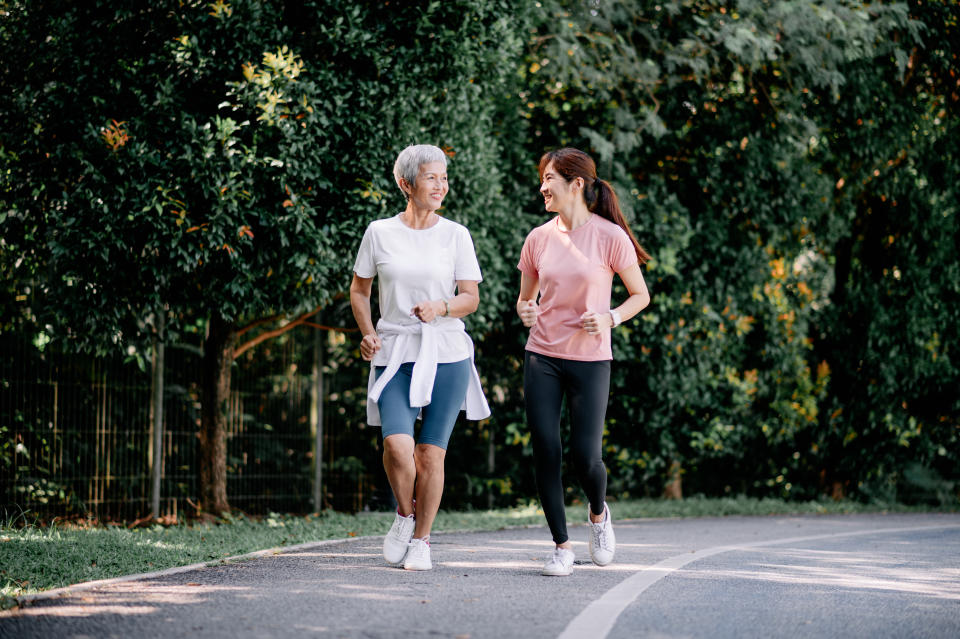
429	462
398	462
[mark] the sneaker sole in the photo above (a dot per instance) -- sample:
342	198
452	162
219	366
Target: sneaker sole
401	556
393	547
602	563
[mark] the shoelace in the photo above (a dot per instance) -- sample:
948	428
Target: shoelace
599	536
403	525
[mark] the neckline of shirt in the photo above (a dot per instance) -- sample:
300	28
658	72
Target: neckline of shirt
589	221
400	221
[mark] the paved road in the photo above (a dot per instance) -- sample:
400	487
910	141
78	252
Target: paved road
812	576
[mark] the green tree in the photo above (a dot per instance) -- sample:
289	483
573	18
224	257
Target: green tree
892	420
731	128
216	163
789	165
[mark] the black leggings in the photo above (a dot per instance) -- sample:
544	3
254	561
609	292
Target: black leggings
587	387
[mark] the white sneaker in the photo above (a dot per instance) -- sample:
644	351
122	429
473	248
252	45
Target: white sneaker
418	556
398	539
602	541
560	564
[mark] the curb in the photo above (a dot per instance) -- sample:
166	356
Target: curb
25	600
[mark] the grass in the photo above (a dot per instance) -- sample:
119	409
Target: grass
35	558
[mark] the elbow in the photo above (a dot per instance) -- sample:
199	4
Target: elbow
643	300
468	302
359	289
358	298
355	297
474	303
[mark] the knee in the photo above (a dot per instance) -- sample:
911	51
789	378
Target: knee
585	463
429	459
398	449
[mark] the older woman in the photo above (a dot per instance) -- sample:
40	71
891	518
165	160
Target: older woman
422	357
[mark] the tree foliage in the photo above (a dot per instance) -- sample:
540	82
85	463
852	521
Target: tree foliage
217	163
222	157
757	142
788	164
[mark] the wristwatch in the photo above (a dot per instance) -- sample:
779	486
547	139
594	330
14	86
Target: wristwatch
446	307
616	318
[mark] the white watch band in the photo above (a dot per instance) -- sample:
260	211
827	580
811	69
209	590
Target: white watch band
616	318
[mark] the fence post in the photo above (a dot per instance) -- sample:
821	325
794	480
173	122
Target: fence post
156	410
316	419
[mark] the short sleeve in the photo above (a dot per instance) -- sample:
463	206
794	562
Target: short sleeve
528	262
622	253
366	264
466	267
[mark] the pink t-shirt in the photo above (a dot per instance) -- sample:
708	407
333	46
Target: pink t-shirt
575	269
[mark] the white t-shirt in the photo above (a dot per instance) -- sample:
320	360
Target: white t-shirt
413	266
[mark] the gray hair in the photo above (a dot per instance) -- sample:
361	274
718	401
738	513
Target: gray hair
411	158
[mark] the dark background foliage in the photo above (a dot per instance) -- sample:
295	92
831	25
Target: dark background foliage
790	167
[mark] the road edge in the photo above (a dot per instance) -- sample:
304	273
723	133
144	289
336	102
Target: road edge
27	599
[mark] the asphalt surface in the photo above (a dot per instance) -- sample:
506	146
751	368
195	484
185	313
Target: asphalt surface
810	576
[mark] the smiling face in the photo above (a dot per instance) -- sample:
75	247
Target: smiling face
558	194
431	186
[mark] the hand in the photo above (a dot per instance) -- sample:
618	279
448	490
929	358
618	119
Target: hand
428	311
594	323
369	346
528	312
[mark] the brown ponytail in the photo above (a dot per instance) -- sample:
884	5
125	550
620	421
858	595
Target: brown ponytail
599	195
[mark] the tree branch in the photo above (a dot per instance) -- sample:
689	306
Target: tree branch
331	328
260	322
264	336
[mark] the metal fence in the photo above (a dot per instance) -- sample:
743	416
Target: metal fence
76	435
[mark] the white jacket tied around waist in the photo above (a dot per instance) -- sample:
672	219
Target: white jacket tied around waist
424	369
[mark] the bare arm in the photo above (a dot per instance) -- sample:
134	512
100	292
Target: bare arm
360	289
632	278
527	307
466	301
639	295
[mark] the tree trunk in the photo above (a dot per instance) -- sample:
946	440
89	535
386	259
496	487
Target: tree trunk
674	486
215	395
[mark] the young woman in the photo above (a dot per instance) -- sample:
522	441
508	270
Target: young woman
569	262
422	358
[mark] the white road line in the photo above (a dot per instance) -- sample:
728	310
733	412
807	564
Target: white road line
597	619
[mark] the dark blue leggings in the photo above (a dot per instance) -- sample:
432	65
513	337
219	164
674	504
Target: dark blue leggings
586	385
